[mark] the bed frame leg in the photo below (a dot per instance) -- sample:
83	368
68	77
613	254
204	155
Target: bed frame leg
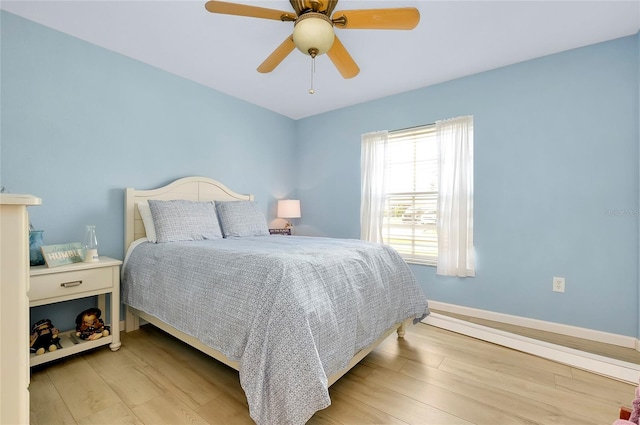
131	321
401	330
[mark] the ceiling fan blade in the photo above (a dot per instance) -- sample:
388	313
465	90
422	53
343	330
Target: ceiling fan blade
215	6
403	18
278	55
342	59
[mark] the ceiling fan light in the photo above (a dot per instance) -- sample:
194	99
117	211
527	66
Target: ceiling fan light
313	32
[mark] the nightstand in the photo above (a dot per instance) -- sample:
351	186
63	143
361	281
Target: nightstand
73	281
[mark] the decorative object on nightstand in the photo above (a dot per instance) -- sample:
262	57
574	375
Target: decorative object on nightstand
35	243
62	254
288	208
90	244
90	326
280	231
44	337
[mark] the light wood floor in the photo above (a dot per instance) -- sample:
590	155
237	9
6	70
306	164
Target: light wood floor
431	377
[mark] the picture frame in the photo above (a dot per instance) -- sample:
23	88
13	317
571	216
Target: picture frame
61	254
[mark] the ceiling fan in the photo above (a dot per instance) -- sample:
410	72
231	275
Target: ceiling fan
313	32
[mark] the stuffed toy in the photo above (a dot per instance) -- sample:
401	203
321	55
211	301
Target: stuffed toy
44	337
631	417
90	326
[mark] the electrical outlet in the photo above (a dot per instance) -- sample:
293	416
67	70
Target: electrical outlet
558	284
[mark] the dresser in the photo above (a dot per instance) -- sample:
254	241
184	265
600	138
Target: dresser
14	307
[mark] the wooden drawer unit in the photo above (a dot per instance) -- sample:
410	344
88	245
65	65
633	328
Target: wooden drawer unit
14	307
73	281
68	285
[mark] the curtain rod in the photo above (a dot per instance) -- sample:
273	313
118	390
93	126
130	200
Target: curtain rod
414	127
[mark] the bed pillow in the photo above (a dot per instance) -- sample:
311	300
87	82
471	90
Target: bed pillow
241	218
147	220
182	220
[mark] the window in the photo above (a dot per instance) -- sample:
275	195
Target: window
417	193
411	194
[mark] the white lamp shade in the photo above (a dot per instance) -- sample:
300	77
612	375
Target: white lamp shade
313	33
289	208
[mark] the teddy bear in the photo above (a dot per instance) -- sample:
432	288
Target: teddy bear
90	326
44	337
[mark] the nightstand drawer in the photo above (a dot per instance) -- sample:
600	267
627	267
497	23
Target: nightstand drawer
70	283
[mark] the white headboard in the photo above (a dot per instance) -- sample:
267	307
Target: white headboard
190	188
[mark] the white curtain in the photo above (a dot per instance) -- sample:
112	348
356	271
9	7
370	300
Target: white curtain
455	199
372	169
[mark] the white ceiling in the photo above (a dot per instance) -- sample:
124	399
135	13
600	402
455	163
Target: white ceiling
452	40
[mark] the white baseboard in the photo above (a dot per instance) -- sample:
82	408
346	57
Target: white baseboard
616	369
558	328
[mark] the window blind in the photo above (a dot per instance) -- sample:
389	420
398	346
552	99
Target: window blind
411	197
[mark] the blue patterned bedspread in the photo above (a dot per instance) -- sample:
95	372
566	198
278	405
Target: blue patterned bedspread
291	310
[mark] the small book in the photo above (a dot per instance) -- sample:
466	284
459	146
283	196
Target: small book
59	255
280	231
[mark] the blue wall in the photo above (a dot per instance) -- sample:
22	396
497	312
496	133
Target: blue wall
556	167
556	182
81	123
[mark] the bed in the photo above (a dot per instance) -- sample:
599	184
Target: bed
291	313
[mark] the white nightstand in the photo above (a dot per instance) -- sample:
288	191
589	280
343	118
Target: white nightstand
73	281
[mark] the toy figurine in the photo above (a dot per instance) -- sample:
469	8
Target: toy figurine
44	337
630	416
90	326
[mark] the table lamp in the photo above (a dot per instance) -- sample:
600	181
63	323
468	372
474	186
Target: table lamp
288	208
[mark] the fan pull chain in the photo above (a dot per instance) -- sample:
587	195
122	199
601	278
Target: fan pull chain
313	70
